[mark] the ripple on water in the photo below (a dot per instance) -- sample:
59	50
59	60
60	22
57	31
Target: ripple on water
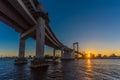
55	72
66	70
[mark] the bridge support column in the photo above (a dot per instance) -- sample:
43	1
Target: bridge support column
62	53
40	38
39	60
54	56
22	48
21	57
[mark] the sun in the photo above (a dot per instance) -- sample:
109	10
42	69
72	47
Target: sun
88	56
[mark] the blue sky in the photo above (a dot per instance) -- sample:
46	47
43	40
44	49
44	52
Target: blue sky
95	24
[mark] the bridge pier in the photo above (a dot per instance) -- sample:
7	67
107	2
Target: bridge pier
40	38
22	48
21	56
54	56
68	55
39	60
62	53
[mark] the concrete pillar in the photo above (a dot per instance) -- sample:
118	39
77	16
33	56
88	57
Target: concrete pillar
73	55
22	48
74	46
62	53
65	55
54	53
40	38
68	55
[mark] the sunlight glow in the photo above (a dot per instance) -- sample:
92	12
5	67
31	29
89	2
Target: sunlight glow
88	56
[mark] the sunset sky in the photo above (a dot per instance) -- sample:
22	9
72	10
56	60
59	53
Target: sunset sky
95	24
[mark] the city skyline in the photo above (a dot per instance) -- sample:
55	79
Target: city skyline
94	24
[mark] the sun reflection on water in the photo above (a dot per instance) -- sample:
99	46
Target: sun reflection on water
88	65
88	69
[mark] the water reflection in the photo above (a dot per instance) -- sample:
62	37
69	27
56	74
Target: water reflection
21	71
84	69
39	74
88	65
88	69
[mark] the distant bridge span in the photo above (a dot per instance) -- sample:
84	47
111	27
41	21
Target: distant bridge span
29	19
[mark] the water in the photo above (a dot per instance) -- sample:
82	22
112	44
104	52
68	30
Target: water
96	69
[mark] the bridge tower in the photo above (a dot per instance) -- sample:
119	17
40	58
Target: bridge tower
76	47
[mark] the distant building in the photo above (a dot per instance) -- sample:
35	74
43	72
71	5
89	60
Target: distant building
105	57
92	55
113	56
99	56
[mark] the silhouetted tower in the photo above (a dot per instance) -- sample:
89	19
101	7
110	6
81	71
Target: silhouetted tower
76	44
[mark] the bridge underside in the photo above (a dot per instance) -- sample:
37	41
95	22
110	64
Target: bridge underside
13	14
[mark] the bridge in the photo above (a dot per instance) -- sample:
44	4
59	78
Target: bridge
29	18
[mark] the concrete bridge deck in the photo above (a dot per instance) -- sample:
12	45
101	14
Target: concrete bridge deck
22	15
